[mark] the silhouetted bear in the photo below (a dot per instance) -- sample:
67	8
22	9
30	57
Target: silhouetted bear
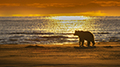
85	35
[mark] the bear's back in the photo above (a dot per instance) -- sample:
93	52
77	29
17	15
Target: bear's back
86	35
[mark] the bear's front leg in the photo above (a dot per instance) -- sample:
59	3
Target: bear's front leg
82	43
79	43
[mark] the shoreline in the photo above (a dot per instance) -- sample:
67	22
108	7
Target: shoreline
62	45
104	54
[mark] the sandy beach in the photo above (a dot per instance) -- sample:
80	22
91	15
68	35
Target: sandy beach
105	54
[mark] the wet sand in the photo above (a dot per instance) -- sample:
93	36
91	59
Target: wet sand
105	54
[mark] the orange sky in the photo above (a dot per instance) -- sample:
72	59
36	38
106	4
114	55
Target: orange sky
59	7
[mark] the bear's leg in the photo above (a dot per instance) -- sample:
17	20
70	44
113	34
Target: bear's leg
79	42
88	43
82	43
93	43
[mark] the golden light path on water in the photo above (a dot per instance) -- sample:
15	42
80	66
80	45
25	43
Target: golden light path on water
68	24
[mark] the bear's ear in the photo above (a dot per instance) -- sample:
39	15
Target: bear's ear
76	30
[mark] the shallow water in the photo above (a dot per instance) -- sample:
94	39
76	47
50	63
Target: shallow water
57	29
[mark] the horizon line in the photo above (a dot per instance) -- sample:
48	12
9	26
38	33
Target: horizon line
54	15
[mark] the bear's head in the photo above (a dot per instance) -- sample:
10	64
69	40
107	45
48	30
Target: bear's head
78	33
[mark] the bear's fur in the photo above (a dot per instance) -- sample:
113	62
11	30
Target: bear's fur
85	35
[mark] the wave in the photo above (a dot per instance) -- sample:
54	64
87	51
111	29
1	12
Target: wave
107	33
118	32
54	37
49	40
30	33
109	39
39	33
114	39
102	33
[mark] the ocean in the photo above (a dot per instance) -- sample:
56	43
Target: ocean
57	29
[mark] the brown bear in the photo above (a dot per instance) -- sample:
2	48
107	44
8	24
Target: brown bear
85	35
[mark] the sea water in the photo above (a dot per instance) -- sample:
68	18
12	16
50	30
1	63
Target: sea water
57	29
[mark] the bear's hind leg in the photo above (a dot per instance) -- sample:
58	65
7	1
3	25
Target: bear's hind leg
88	43
93	43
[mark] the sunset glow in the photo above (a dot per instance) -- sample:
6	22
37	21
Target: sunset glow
59	8
70	18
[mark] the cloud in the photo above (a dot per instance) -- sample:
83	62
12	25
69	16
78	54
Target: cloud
107	3
88	13
94	13
45	5
9	4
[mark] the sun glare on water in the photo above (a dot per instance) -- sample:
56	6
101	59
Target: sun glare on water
70	17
